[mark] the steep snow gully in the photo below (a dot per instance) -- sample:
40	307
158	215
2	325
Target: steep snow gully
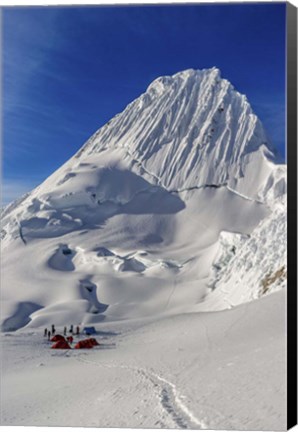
176	205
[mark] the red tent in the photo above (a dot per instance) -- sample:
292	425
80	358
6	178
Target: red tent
70	339
57	338
84	344
61	344
93	341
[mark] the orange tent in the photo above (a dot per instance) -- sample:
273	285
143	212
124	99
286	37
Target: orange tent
84	344
57	338
93	341
61	344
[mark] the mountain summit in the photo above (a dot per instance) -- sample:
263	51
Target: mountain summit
160	207
189	130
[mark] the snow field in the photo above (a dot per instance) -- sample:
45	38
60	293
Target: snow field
138	263
184	371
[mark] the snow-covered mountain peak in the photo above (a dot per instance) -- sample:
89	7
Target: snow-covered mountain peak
189	130
137	215
166	81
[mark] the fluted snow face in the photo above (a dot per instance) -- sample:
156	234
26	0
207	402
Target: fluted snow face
187	130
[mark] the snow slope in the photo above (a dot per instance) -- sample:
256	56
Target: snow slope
131	226
220	370
257	262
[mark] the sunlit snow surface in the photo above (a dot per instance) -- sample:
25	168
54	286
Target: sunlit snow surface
173	210
220	370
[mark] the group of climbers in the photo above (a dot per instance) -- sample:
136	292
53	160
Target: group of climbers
51	333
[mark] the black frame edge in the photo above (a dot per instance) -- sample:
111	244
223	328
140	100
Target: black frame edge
291	24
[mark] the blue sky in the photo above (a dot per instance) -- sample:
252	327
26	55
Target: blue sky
68	70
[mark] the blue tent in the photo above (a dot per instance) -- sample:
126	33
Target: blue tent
89	330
